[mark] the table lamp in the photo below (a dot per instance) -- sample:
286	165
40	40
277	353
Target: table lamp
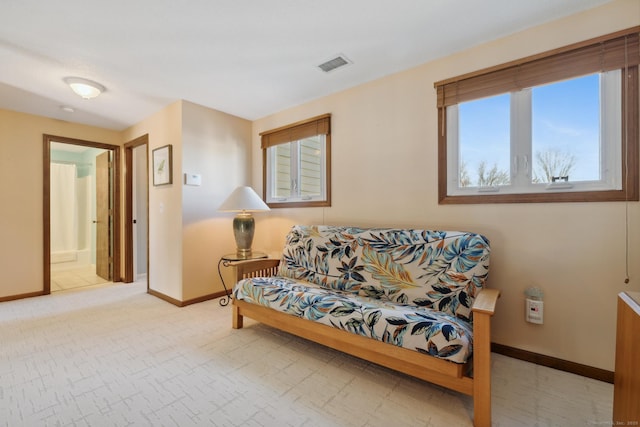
243	200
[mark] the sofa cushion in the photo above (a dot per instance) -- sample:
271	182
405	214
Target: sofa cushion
415	328
443	270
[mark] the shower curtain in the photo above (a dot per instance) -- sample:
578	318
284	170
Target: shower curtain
64	236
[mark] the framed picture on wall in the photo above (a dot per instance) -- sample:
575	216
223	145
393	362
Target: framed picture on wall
162	167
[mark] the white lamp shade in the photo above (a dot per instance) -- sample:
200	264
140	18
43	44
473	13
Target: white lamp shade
87	89
243	199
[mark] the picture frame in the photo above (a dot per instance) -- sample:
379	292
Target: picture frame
162	165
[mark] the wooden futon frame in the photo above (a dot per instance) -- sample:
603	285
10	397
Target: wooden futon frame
472	378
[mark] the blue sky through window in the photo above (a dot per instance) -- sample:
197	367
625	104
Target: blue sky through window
484	133
566	118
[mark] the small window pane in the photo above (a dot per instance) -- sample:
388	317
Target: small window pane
311	150
282	170
566	130
484	142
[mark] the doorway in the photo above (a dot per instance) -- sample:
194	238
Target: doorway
136	229
81	224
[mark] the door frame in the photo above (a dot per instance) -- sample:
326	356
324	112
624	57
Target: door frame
46	203
128	207
104	214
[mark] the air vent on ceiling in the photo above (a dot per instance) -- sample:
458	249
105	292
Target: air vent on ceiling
332	64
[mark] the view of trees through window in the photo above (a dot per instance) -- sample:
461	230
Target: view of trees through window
563	144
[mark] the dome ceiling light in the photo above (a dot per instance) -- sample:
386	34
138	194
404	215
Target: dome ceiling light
87	89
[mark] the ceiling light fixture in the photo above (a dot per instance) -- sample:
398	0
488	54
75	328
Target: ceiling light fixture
87	89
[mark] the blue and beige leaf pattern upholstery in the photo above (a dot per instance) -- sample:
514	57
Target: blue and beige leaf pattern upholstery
410	288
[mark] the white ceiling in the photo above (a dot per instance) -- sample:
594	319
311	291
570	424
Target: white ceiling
250	58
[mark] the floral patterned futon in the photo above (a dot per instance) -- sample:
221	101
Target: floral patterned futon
410	288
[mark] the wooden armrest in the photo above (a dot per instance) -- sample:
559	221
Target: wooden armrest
256	268
485	301
483	308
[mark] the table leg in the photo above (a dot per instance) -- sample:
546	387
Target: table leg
227	296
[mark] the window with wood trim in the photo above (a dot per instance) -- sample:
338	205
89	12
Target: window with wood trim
560	126
296	164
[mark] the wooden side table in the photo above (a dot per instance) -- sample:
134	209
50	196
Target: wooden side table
229	260
626	387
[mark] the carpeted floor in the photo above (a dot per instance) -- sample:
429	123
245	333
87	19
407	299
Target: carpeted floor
112	355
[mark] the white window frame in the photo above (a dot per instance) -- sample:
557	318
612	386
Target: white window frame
295	174
521	146
604	53
315	127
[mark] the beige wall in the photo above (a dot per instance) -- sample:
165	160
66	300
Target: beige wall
165	202
218	147
574	252
187	235
21	154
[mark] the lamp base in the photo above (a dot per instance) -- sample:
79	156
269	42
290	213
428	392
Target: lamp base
244	253
243	228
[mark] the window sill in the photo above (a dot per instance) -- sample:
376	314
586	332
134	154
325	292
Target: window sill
300	204
565	197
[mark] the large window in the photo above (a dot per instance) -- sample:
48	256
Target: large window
297	164
561	126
